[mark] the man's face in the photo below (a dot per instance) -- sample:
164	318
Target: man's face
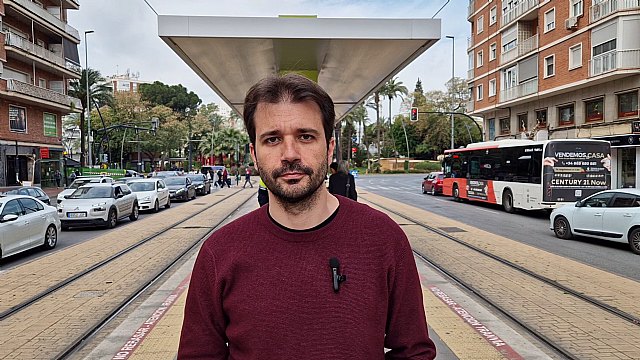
291	151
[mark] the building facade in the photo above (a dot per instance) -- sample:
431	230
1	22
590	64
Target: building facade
38	58
559	69
126	82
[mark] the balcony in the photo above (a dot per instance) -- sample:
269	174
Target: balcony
472	6
470	106
469	42
526	88
42	93
515	12
15	40
469	74
523	47
614	60
44	15
608	7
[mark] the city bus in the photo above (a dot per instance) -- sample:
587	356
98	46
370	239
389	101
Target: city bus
527	174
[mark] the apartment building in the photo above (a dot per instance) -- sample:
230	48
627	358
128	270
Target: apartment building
38	58
126	82
559	69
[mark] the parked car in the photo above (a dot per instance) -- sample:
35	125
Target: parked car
201	182
132	174
151	193
83	180
432	183
180	188
608	215
34	191
98	204
164	174
26	223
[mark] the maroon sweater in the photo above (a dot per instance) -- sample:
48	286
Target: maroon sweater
259	291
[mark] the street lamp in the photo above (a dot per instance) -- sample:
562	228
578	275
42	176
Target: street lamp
86	75
453	71
186	110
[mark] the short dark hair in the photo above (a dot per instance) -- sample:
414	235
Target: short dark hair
334	166
288	88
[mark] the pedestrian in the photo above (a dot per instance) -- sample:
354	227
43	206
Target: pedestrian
58	177
238	176
247	178
225	178
219	173
310	276
341	182
263	193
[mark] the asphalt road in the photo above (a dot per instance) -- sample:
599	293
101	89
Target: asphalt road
530	227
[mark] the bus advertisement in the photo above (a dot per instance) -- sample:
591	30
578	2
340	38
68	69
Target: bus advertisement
525	174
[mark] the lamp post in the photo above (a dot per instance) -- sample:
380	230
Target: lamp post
453	71
86	75
189	139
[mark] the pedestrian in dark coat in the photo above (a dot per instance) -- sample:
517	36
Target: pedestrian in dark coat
341	182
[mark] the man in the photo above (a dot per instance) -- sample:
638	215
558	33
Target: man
271	285
247	178
341	182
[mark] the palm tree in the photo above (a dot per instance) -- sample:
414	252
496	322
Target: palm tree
101	93
391	90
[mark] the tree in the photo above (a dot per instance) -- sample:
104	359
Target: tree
176	97
391	90
418	95
100	92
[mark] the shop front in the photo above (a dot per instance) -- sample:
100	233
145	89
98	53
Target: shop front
23	164
625	160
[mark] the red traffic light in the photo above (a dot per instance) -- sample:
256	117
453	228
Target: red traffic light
354	150
414	114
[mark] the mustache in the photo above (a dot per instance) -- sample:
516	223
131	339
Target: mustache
292	167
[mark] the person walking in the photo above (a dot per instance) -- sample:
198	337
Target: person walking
309	276
247	178
58	177
341	182
219	174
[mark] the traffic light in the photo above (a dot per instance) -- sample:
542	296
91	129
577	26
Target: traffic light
414	114
354	150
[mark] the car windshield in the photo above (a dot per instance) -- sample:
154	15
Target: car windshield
11	192
79	182
174	181
91	193
142	186
196	178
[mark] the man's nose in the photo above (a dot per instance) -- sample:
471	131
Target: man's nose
290	150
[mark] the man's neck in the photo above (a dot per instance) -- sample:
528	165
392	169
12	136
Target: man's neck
304	216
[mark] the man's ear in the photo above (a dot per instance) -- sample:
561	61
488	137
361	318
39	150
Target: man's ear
331	147
252	151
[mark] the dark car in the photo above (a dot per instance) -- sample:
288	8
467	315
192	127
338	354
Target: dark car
34	191
180	188
201	182
432	183
165	174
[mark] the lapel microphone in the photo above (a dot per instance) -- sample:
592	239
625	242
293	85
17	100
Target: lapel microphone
334	264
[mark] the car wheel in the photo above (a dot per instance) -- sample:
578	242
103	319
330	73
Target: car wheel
634	240
168	204
423	191
112	220
134	213
156	206
433	191
561	228
50	237
507	201
456	192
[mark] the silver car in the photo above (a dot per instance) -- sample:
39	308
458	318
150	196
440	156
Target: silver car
26	223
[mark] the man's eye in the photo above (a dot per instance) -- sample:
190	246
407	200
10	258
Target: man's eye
306	137
271	140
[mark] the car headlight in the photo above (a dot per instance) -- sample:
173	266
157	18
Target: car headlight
146	198
200	186
99	207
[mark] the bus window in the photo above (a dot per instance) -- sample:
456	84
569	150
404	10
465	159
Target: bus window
446	165
474	168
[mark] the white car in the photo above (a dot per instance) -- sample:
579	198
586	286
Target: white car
82	180
98	204
608	215
26	223
152	193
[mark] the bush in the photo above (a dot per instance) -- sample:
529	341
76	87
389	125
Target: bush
426	166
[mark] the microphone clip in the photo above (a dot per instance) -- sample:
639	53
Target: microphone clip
335	277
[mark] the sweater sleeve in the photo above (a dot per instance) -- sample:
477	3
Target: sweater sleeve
203	327
406	333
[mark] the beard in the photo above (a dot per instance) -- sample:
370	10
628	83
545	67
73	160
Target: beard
292	193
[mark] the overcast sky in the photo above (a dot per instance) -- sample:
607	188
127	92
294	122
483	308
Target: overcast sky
126	35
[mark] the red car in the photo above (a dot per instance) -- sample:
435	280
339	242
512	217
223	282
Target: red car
432	183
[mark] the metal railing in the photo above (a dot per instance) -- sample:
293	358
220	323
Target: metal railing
526	88
614	60
522	48
471	9
13	39
42	93
46	16
608	7
470	73
515	12
469	42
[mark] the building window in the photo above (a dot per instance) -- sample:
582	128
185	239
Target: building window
566	115
492	87
492	52
480	24
42	83
510	45
628	104
575	9
541	118
480	92
492	129
627	167
493	15
604	47
480	61
549	66
505	126
550	20
523	121
575	56
470	61
594	110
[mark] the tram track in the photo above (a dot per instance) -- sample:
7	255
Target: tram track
172	254
564	347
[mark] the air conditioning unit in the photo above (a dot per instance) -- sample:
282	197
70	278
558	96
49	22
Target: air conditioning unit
571	23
